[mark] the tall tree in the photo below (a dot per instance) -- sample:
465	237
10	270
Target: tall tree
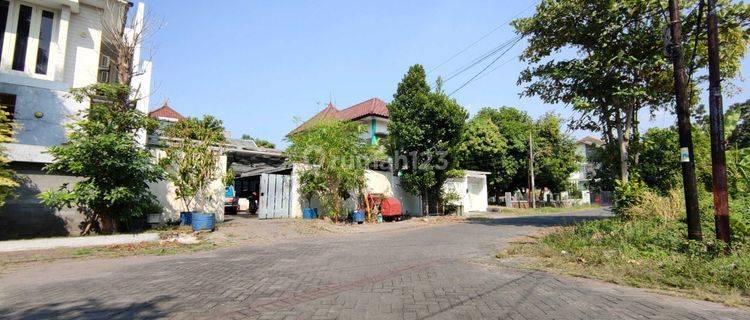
554	154
484	149
658	167
606	59
514	126
425	130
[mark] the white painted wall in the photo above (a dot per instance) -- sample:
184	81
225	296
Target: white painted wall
165	194
376	182
472	191
83	47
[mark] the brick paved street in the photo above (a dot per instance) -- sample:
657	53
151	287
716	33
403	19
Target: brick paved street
442	272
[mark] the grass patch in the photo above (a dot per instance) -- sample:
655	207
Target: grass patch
547	210
650	252
115	251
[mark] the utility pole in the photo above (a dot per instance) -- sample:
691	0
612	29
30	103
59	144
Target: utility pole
683	124
532	199
718	152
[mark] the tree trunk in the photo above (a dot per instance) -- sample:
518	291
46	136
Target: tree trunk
108	224
622	142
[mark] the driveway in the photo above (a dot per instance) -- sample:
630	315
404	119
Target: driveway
445	271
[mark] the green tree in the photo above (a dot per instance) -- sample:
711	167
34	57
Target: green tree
337	159
659	165
259	142
425	130
514	126
192	153
738	115
115	169
7	176
555	157
483	148
606	59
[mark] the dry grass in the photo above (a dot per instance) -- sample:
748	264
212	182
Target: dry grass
653	205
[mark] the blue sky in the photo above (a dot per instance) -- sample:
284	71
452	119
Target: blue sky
259	65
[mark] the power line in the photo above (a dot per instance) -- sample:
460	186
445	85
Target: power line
517	39
481	58
497	67
483	37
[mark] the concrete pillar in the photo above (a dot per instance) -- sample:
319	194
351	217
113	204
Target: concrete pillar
508	200
62	43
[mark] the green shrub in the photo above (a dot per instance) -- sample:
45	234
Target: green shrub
739	219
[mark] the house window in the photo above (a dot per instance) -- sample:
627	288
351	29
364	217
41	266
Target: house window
22	38
45	39
103	76
4	7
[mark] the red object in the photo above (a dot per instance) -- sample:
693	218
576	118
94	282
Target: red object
390	207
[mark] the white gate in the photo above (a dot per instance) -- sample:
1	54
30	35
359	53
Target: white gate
275	196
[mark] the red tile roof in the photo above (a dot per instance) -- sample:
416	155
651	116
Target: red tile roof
166	112
373	107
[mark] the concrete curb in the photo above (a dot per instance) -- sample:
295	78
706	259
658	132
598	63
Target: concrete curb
74	242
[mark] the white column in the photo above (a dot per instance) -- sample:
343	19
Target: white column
62	43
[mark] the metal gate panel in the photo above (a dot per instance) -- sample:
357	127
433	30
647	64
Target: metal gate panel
275	195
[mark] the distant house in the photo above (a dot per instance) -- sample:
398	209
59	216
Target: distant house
372	113
584	173
166	114
48	47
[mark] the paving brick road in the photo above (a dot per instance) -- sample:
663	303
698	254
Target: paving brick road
441	272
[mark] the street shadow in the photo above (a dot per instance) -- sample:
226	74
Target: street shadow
541	220
92	308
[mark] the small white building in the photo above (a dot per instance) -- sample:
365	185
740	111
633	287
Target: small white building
471	190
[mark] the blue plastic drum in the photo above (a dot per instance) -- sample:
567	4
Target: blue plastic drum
203	221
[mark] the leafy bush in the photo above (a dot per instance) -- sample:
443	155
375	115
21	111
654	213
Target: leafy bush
627	195
191	159
104	151
739	219
337	160
7	179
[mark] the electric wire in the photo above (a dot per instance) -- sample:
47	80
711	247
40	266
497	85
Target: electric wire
533	3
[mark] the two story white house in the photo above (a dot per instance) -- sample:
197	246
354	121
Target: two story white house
48	47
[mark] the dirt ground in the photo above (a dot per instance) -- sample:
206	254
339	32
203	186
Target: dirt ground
248	229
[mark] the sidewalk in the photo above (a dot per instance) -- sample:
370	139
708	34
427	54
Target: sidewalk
75	242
